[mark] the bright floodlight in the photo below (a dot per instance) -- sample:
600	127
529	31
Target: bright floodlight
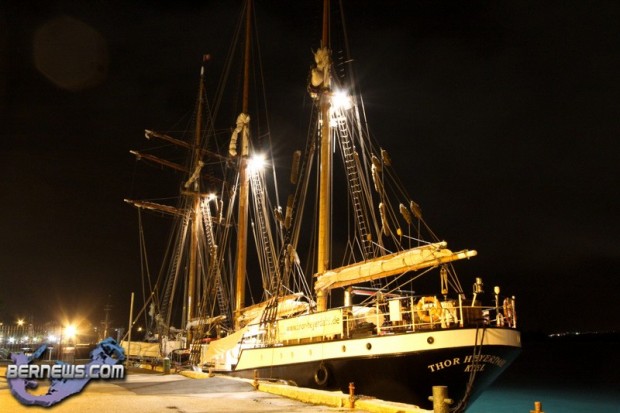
20	322
70	331
341	100
256	163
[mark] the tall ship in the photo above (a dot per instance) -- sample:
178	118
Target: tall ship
343	282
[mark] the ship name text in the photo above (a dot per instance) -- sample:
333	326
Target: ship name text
471	362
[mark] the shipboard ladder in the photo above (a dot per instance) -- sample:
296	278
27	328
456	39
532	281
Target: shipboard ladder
264	237
214	268
173	275
355	187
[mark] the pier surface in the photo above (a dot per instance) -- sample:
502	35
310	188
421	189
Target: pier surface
143	391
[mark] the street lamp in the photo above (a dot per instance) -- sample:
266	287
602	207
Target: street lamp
70	331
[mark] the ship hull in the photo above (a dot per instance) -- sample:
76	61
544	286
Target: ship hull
399	367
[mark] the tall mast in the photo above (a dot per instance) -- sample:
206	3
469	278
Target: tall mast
324	235
242	222
193	187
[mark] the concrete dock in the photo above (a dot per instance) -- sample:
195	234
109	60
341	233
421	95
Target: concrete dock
144	391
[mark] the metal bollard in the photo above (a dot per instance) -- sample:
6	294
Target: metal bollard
352	395
440	399
166	365
255	382
537	408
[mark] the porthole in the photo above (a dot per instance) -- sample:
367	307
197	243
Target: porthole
344	349
368	346
430	340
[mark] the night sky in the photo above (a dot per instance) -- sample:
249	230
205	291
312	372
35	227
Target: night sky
502	119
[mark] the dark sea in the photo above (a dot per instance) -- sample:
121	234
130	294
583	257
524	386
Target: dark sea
567	374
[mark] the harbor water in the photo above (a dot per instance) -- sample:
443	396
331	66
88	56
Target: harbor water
568	374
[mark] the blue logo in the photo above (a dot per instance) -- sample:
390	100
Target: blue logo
66	379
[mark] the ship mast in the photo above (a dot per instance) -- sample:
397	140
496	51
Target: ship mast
193	190
324	235
242	223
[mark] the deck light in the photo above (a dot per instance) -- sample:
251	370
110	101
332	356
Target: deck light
341	100
256	163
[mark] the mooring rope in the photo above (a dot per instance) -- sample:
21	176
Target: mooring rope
462	404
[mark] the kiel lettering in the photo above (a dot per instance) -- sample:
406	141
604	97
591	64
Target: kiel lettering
474	367
471	363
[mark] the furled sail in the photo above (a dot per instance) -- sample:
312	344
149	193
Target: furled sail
412	259
242	127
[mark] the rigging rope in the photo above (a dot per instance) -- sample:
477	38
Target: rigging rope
144	264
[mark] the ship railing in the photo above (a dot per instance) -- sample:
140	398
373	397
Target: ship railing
393	315
410	314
